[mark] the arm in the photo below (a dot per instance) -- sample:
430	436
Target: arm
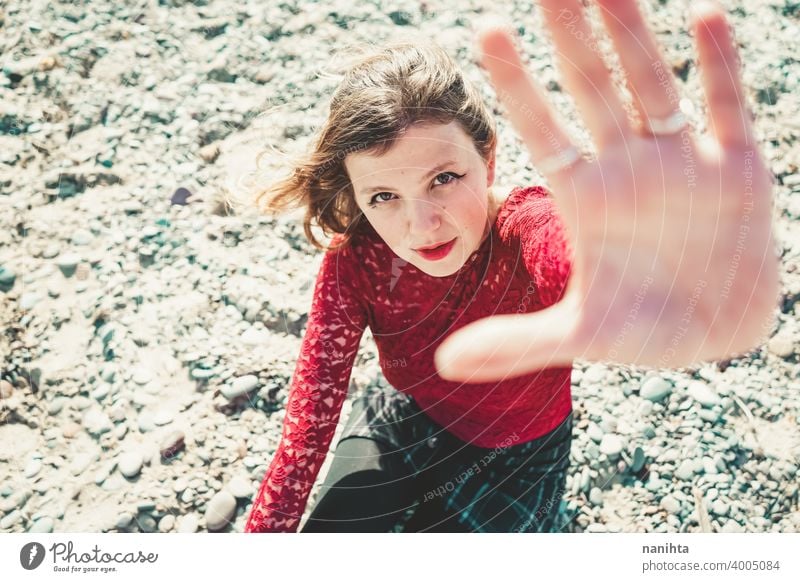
545	247
319	387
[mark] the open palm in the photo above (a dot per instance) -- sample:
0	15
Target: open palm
671	232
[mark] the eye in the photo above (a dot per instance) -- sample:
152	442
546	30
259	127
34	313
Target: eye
452	176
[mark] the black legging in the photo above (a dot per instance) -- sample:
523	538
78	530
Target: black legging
368	489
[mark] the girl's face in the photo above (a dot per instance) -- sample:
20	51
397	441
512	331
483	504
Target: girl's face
431	187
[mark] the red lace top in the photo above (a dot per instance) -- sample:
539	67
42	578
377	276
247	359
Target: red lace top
521	266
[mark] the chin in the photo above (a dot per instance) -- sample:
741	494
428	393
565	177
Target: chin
438	270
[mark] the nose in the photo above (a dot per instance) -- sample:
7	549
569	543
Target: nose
424	218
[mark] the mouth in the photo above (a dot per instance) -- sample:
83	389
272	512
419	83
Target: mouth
437	251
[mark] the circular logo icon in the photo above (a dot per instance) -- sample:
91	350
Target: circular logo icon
31	555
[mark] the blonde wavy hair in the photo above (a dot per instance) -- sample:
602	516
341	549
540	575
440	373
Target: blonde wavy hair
383	91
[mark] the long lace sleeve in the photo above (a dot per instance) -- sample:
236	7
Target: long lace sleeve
336	322
545	247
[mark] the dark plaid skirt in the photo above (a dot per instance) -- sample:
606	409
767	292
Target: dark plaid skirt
463	487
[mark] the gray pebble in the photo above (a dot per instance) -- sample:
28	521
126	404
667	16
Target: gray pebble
719	507
124	520
596	496
611	446
637	463
166	523
703	394
220	510
239	386
97	422
188	523
32	468
163	417
685	470
11	519
655	389
594	432
42	525
670	504
29	299
147	523
82	237
240	487
782	345
68	263
130	463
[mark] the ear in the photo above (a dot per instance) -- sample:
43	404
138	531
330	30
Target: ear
490	166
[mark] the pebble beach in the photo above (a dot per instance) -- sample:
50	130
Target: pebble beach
149	327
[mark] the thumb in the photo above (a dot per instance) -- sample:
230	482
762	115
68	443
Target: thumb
510	345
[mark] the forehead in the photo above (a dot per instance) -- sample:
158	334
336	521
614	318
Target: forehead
418	149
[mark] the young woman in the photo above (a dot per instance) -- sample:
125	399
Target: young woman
478	303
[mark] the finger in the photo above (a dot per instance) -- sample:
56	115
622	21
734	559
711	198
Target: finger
729	119
506	346
649	79
584	72
538	125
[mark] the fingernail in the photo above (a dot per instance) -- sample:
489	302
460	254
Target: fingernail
703	8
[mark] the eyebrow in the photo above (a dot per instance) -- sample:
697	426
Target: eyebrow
439	168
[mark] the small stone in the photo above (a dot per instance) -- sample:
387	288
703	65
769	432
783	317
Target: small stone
595	374
685	470
82	237
594	432
124	520
240	487
732	526
172	444
6	389
51	251
596	528
42	525
611	446
700	392
719	507
711	416
670	504
655	389
80	463
7	278
188	524
147	523
130	464
70	429
108	372
220	510
637	463
209	152
166	523
239	386
163	417
254	337
11	519
180	196
142	376
781	345
68	263
97	422
32	468
29	299
596	496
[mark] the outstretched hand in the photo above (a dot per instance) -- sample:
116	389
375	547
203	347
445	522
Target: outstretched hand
671	232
